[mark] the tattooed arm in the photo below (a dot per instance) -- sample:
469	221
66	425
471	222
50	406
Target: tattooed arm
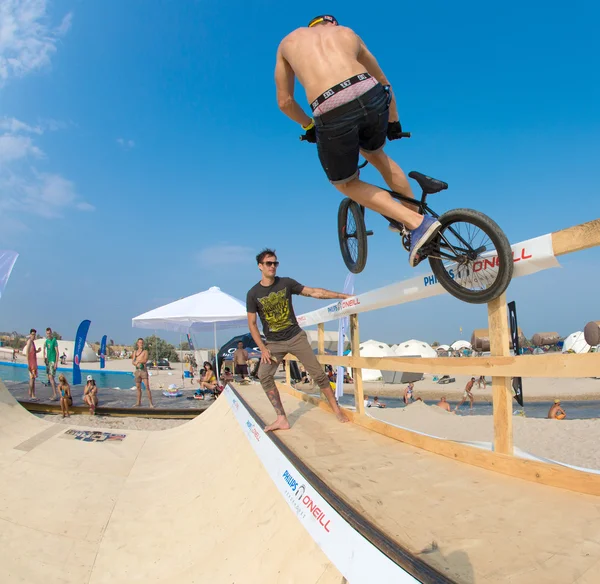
322	293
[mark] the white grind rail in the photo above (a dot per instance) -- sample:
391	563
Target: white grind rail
530	256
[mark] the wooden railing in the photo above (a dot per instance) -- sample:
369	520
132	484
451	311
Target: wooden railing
501	366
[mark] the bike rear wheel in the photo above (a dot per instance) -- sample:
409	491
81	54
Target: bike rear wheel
352	235
471	256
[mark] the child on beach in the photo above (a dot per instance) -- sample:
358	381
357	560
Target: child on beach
90	394
65	395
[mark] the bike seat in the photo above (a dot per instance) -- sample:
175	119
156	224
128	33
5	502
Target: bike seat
428	184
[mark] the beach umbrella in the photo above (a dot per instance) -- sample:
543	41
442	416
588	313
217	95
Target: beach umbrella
205	311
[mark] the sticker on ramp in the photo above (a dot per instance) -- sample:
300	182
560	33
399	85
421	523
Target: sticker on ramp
93	436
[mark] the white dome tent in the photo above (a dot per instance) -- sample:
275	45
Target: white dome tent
460	345
373	348
443	348
414	348
576	342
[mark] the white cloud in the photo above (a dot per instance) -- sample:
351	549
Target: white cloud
16	147
27	39
126	144
219	255
24	189
14	126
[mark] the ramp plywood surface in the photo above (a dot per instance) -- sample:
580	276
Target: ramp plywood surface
191	504
473	525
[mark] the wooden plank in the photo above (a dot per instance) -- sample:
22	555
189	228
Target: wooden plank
576	238
501	387
359	394
553	475
549	365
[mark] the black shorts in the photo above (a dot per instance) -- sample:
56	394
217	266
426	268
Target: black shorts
241	369
360	124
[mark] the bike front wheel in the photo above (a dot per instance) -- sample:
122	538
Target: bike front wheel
352	235
471	256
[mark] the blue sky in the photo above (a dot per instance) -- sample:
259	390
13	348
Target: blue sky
143	157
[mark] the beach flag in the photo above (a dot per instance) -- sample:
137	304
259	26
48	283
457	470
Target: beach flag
517	382
103	352
7	262
190	343
343	327
80	337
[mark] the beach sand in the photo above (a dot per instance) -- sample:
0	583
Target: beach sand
534	389
112	422
569	441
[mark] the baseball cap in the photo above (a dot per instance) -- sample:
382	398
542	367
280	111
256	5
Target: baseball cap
90	378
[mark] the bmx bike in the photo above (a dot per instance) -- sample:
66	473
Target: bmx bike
470	255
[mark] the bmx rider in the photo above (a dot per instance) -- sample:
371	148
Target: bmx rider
354	111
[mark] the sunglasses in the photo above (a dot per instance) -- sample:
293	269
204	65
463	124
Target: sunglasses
270	264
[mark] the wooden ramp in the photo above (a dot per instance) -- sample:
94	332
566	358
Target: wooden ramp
187	505
469	524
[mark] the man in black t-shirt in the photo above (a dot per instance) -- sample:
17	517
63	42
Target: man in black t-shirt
271	299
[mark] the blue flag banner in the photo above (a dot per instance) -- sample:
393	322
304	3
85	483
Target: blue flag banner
103	352
80	337
190	343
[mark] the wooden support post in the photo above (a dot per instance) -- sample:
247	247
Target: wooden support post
359	395
321	338
321	345
502	394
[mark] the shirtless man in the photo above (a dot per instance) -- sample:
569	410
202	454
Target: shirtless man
467	395
556	410
31	352
443	404
354	110
139	360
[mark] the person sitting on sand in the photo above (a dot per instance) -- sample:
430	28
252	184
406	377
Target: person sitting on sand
443	404
467	395
556	412
408	393
368	402
64	391
90	394
377	403
209	379
227	375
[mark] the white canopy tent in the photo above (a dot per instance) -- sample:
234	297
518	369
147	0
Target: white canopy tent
414	348
459	345
373	348
576	342
205	311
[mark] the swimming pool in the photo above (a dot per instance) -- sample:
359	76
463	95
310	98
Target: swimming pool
18	372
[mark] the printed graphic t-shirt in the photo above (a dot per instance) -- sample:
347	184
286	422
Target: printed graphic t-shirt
51	349
274	307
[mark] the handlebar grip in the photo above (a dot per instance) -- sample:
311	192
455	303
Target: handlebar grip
405	135
302	137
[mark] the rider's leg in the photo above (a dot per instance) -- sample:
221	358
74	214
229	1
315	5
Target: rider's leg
391	173
381	201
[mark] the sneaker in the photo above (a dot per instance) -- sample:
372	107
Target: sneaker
420	237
